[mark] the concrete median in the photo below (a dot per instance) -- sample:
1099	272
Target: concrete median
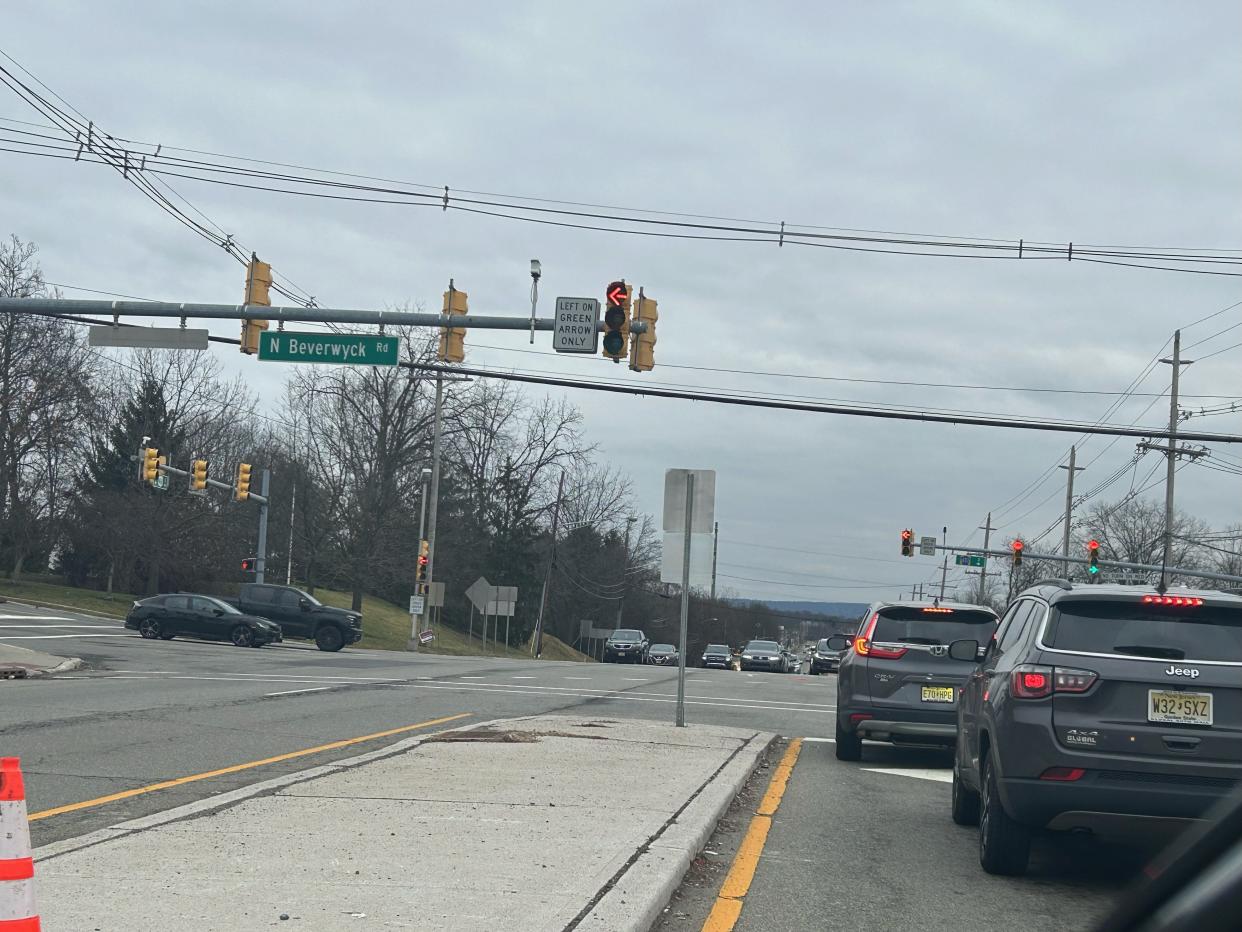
542	823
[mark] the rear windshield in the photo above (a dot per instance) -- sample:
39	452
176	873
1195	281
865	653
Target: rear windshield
664	648
625	636
921	626
716	649
1162	632
822	646
764	645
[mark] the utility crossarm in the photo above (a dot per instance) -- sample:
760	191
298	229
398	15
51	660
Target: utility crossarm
317	315
214	483
1119	564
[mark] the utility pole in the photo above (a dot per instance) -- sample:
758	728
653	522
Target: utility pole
1172	451
293	510
944	567
537	640
625	568
435	469
983	570
260	562
715	545
1069	505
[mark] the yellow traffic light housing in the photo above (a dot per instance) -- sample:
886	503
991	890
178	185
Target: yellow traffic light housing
907	543
150	464
453	339
616	319
241	490
424	556
258	283
198	475
642	345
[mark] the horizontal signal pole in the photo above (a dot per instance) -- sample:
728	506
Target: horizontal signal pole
1118	564
317	315
214	483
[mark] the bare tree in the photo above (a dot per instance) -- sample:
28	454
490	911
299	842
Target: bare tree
1132	531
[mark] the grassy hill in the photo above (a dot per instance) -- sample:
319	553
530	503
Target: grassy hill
385	626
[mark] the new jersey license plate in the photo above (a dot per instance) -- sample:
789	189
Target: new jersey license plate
1179	708
938	693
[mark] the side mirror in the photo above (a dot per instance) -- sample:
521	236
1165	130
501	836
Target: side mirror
965	649
838	642
218	612
304	604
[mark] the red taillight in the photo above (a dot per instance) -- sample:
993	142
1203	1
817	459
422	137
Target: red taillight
1031	682
886	653
857	717
864	648
1062	774
861	647
1172	600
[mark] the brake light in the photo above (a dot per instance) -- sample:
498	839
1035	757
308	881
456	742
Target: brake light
938	609
1062	774
1065	680
1031	682
857	717
864	648
886	653
1172	600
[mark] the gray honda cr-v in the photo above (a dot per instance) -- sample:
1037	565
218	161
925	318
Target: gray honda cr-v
1098	708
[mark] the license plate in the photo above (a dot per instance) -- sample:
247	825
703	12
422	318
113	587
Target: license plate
938	693
1178	708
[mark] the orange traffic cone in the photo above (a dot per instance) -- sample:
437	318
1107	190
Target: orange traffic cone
17	909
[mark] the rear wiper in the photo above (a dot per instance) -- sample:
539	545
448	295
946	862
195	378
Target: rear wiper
1147	650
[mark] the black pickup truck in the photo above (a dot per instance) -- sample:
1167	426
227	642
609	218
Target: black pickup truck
301	615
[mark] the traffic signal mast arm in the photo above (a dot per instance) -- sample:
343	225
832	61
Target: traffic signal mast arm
1085	561
214	483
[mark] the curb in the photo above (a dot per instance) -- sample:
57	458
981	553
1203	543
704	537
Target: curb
638	898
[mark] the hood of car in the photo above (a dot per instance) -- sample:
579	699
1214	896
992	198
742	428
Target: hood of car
351	618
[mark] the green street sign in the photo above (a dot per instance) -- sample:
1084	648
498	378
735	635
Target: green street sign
331	348
963	559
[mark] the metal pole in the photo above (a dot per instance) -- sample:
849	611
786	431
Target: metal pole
537	645
293	508
715	546
260	562
1168	482
983	570
416	620
944	569
1069	507
685	603
435	474
625	568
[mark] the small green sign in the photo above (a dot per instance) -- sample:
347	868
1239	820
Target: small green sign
332	348
963	559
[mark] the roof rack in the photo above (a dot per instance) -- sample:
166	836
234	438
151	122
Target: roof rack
1054	581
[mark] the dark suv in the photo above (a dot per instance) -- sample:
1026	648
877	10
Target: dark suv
896	681
1099	708
300	615
626	645
824	659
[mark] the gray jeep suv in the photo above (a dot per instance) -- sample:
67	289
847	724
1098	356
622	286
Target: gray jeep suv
1099	708
896	681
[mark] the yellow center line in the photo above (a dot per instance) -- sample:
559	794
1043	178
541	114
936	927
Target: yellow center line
728	906
237	768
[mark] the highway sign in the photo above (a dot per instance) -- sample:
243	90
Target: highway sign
418	604
148	337
963	559
575	325
927	546
353	349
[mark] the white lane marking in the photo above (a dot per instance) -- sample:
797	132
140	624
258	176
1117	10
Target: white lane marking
34	618
465	677
49	637
583	694
823	740
635	679
56	627
523	677
294	692
587	678
920	773
797	702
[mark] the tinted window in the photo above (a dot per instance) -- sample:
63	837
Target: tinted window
1160	632
263	594
289	598
199	604
923	626
1014	625
764	645
625	636
717	648
664	647
177	602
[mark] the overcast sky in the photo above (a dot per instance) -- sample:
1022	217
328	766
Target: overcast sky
1108	123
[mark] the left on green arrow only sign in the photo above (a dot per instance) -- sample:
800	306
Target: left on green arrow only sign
348	349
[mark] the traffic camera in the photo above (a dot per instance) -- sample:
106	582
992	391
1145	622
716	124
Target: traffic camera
241	489
453	339
907	543
616	319
258	282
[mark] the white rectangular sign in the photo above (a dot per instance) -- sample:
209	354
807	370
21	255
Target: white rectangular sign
675	500
575	330
148	337
417	604
700	559
927	546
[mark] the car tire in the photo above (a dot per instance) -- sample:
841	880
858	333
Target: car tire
149	628
965	801
849	746
329	638
242	636
1004	844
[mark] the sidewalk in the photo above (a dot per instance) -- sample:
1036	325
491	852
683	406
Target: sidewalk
542	823
21	663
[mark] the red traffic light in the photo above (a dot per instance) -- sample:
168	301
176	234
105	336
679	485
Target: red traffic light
907	534
422	561
1017	545
616	294
1093	544
248	565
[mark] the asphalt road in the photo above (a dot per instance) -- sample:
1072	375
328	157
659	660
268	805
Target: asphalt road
859	846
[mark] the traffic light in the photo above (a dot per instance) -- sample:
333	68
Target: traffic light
453	339
617	320
424	556
1017	546
1093	556
258	281
907	543
241	490
248	564
150	464
642	345
198	475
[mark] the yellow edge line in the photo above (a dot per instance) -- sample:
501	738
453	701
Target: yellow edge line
728	906
237	768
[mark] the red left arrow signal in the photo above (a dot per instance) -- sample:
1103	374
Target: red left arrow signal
616	294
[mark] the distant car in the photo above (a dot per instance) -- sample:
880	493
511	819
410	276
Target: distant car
763	655
663	655
301	615
824	659
199	616
898	682
1098	708
626	645
718	655
793	663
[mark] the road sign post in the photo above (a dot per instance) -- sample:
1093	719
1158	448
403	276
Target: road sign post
575	325
354	349
689	507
